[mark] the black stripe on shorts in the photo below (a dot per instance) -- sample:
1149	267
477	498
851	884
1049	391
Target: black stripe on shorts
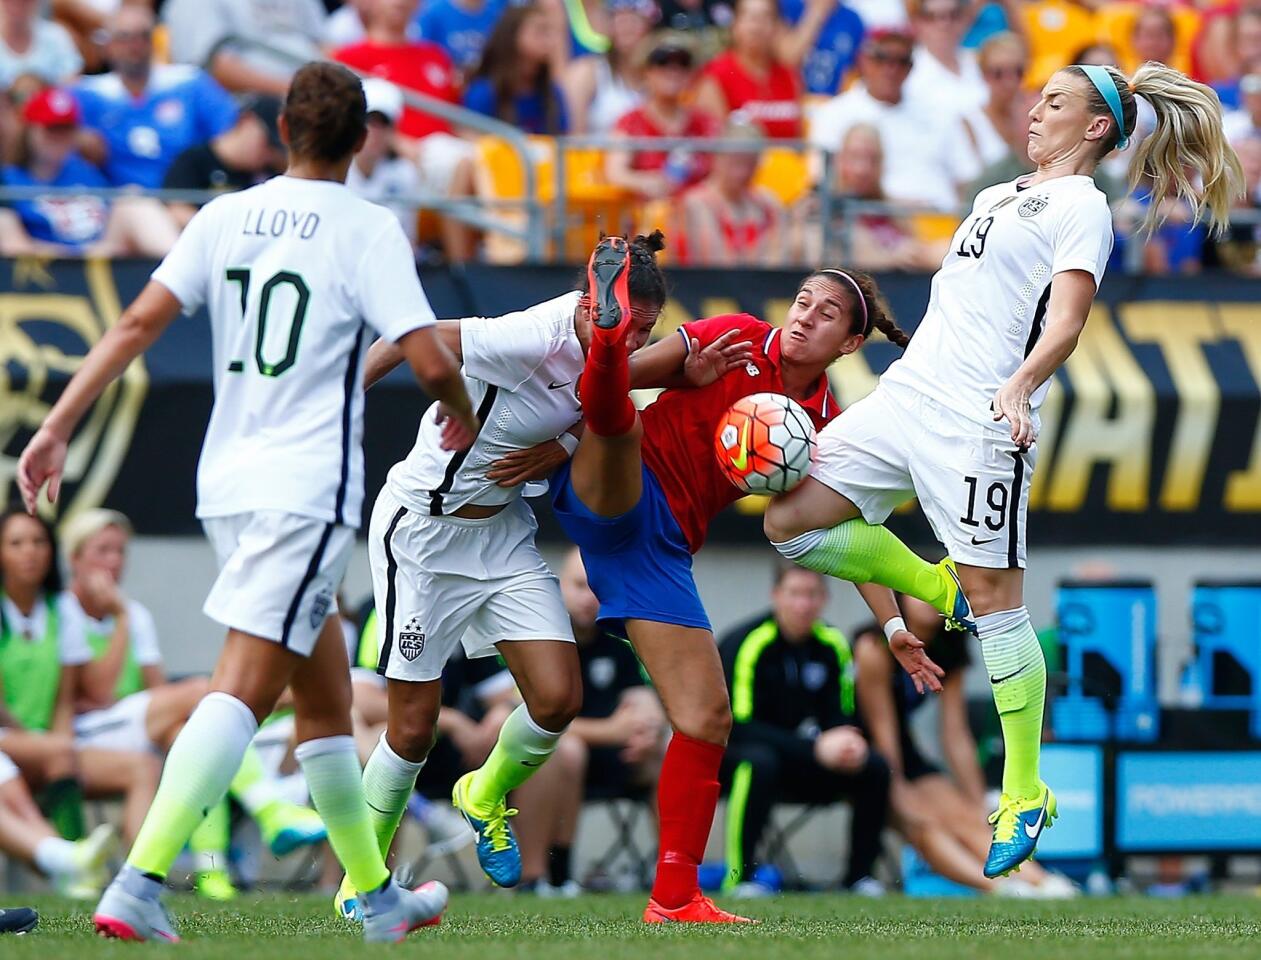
312	570
391	598
1013	521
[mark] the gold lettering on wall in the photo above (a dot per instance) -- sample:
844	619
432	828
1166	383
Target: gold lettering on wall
1181	329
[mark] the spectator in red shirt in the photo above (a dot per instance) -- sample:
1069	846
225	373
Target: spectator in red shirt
726	220
749	78
420	66
657	174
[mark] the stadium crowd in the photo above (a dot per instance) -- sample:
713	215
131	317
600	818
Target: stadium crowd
87	711
919	105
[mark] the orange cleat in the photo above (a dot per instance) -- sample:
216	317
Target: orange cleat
608	279
700	909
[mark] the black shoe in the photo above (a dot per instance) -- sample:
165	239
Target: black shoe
18	920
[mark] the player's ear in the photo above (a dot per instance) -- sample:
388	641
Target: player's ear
852	344
363	138
282	126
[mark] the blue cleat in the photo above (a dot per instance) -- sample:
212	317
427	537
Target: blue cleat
346	903
960	616
1017	826
497	849
287	826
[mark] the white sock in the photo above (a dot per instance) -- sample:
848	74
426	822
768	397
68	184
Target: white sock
388	782
55	857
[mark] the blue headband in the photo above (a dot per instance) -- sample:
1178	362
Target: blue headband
1107	88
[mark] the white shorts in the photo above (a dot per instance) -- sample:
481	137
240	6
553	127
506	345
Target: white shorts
972	483
8	769
442	581
278	575
120	727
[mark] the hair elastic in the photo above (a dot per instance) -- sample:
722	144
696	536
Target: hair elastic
1107	88
862	301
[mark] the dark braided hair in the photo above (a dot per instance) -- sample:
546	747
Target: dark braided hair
647	281
879	314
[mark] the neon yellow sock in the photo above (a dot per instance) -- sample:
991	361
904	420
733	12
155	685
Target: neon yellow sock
866	553
388	782
210	840
1017	672
523	746
331	768
199	767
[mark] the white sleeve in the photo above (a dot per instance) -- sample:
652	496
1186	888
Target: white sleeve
504	350
144	636
1083	237
184	270
390	296
828	125
72	630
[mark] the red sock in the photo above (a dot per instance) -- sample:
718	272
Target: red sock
687	796
604	388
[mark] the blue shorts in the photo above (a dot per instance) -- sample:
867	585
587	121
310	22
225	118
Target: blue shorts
638	564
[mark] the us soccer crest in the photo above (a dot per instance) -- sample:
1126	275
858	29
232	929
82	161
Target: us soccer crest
1031	207
411	641
321	605
50	317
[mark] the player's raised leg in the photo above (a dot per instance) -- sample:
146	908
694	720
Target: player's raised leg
820	526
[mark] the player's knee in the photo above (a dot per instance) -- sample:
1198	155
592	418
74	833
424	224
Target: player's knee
555	706
779	523
709	722
58	758
412	737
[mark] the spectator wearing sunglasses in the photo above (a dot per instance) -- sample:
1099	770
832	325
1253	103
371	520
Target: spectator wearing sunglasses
1000	128
929	155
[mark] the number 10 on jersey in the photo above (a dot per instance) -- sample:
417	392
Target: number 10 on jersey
274	367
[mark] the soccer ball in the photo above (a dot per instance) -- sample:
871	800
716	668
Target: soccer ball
764	443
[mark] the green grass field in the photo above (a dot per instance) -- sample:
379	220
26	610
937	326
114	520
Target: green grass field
607	928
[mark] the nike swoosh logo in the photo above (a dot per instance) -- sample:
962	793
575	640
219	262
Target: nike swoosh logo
981	543
741	460
994	679
557	386
1032	830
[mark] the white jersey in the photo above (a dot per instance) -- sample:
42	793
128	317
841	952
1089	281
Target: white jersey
989	299
144	632
521	371
290	271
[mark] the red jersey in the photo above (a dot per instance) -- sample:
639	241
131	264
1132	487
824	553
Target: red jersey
678	444
421	66
639	123
773	102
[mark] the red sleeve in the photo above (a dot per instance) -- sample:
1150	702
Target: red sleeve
710	329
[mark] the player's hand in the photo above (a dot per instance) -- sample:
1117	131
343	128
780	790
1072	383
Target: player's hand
42	462
521	466
704	366
1011	403
843	749
103	593
458	430
908	650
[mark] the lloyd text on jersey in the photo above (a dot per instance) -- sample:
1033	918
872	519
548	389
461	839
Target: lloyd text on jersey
262	222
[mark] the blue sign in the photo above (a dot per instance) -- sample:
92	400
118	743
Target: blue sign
1075	773
1188	801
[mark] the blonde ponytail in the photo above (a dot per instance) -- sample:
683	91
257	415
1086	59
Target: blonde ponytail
1188	134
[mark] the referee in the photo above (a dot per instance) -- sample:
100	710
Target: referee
795	738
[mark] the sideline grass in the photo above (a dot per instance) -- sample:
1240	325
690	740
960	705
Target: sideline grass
480	927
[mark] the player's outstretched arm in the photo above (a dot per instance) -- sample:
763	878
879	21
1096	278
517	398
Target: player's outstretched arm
140	325
383	356
672	363
438	371
906	648
1072	293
